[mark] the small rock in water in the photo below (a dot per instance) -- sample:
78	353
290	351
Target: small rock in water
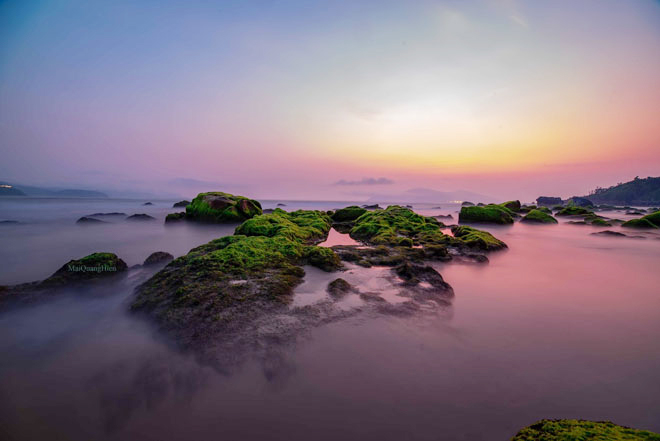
148	203
140	217
339	287
114	214
181	204
90	220
609	233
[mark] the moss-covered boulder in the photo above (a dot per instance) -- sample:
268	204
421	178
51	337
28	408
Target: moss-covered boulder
573	430
181	204
493	214
222	208
650	221
573	210
396	226
538	217
600	223
348	214
304	226
511	205
474	238
90	267
339	288
175	217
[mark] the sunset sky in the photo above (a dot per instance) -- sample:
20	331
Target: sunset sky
330	99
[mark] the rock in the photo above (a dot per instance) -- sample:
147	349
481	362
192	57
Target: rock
229	282
114	214
175	217
281	205
494	214
183	203
579	202
90	220
348	214
549	201
372	207
511	205
409	206
574	211
474	238
222	208
9	222
158	257
600	223
650	221
564	430
413	274
608	233
140	217
634	213
467	204
148	203
339	288
539	217
444	216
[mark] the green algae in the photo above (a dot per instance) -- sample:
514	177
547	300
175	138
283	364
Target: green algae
511	205
495	214
650	221
303	225
539	216
396	226
222	208
574	210
574	430
348	214
600	223
474	238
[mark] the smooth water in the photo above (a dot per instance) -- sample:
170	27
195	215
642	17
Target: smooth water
562	325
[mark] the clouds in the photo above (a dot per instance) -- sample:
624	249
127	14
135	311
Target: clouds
366	181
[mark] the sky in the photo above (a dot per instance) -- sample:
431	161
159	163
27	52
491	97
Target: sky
330	99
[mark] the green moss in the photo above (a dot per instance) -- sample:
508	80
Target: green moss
653	217
641	223
474	238
494	214
511	205
538	216
600	223
544	209
348	214
323	258
396	226
174	217
222	207
574	211
339	287
575	430
557	208
303	226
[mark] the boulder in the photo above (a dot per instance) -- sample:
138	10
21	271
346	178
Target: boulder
90	220
494	214
140	217
222	208
181	204
158	257
538	217
548	201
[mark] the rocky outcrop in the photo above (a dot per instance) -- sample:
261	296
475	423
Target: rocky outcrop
549	201
222	208
183	203
492	214
538	217
564	430
157	258
140	217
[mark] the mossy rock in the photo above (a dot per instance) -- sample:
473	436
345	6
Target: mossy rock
90	267
230	279
396	226
539	217
181	204
574	210
175	217
474	238
304	226
574	430
348	214
600	223
222	208
511	205
544	209
494	214
641	223
339	288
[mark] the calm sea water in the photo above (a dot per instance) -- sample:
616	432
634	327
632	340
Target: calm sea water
562	325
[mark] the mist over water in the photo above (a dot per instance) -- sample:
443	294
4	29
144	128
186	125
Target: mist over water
561	325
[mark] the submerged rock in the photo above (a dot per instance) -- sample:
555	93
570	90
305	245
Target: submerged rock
608	233
478	239
467	204
372	207
113	214
573	211
148	203
90	220
579	202
511	205
539	217
158	257
494	214
565	430
183	203
222	208
281	205
339	288
140	217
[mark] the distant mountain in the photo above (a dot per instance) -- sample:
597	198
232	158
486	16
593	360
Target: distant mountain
421	195
26	190
636	192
